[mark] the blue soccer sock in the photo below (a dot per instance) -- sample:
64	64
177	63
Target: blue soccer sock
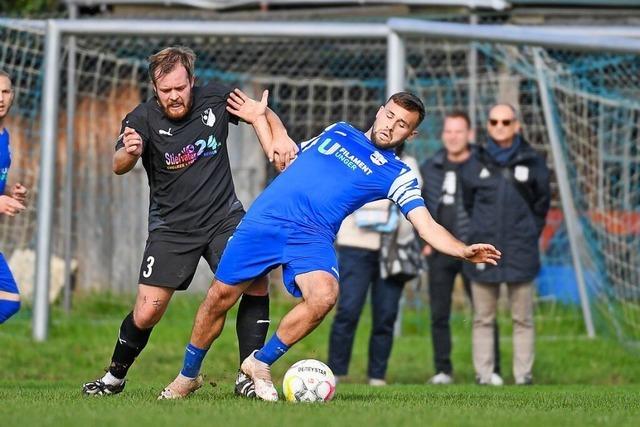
272	350
8	309
193	357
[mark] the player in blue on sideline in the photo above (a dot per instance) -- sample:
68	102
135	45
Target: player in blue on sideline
294	222
10	205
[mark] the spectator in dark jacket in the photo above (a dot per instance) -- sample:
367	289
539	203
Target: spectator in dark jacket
443	197
506	192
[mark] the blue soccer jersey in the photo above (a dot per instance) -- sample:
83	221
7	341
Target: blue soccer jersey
5	159
293	223
336	173
7	282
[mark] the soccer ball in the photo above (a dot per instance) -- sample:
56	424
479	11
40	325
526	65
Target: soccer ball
309	380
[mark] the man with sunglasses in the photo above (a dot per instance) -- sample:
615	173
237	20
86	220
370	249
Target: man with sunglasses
506	192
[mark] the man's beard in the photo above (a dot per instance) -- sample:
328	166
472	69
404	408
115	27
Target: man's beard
175	115
388	145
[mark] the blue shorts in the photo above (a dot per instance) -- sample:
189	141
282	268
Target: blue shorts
257	248
7	282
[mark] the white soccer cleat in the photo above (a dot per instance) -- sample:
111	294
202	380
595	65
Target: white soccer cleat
260	373
441	379
181	387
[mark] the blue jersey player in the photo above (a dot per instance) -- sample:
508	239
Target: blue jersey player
9	204
293	224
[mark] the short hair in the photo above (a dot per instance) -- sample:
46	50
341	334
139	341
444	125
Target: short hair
3	73
165	61
459	114
409	102
506	104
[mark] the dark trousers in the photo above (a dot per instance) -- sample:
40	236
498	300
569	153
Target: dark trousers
442	273
359	270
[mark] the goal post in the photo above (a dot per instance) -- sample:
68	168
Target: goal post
56	29
536	40
75	80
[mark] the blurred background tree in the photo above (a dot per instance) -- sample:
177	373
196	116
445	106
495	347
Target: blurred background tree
25	8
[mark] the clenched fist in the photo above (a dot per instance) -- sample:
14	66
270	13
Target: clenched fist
132	142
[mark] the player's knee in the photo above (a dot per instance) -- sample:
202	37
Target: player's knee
330	299
146	317
333	290
325	296
221	296
259	287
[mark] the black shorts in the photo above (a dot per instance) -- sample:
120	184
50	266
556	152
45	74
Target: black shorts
171	257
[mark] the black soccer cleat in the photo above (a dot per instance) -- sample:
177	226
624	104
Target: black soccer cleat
244	386
98	388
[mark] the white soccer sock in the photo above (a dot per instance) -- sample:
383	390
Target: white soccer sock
111	380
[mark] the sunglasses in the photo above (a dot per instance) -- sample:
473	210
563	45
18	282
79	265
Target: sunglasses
494	122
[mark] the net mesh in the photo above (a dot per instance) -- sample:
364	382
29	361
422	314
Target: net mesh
314	82
594	105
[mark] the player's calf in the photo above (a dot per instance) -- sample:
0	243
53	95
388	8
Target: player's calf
319	297
131	341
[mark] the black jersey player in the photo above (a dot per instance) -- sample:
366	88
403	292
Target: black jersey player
181	136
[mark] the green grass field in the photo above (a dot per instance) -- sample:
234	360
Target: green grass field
578	381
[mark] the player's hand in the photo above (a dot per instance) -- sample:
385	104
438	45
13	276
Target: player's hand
245	108
282	152
10	206
482	253
19	193
132	142
427	250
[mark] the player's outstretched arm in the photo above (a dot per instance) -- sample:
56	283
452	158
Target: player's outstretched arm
280	149
126	157
441	240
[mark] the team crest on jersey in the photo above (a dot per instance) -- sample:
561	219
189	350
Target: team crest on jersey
377	158
208	118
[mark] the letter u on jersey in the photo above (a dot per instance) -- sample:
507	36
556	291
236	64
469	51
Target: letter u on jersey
323	147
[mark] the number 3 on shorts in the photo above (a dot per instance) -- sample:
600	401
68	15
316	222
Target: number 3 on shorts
150	261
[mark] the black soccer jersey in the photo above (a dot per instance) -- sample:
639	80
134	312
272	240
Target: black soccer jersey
186	160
